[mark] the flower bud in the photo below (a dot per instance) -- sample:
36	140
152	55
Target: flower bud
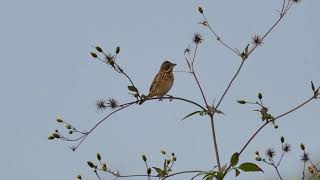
144	157
200	9
99	49
118	50
94	55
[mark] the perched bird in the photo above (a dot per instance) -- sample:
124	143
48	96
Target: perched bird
163	81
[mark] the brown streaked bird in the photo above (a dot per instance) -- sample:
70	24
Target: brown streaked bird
163	81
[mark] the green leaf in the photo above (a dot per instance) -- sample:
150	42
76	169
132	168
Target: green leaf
191	114
241	101
159	171
237	172
90	164
246	50
98	156
312	86
249	167
234	159
132	88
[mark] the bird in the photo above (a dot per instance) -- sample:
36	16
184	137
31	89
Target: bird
162	82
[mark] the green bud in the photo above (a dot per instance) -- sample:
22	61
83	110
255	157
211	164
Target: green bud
144	157
51	137
90	164
94	55
282	139
241	101
200	9
174	158
70	132
149	171
56	135
163	152
99	49
276	126
258	158
260	96
302	147
68	126
98	156
257	153
56	131
104	166
79	177
118	50
59	120
168	161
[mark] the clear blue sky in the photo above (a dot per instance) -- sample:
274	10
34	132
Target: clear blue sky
46	72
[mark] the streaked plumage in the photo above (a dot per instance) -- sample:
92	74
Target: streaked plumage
163	81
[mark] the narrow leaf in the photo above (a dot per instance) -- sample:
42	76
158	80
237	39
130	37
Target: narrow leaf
248	167
312	86
191	114
132	88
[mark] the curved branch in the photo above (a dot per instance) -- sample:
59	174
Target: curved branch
125	105
267	122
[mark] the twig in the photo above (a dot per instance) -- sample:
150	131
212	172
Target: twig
218	37
125	105
267	122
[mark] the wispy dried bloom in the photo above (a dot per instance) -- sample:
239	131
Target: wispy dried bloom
286	147
270	153
112	103
110	59
197	38
257	40
305	157
203	23
101	104
187	50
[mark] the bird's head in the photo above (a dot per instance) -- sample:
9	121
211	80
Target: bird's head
167	66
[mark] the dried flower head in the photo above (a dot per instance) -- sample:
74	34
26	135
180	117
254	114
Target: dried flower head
187	50
286	147
305	157
203	23
197	38
110	59
101	104
112	103
270	153
257	40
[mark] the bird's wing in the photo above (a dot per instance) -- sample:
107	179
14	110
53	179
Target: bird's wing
154	84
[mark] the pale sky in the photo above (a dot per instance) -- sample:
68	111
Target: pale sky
46	72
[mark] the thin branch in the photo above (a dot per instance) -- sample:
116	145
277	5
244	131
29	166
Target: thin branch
215	145
125	105
230	83
267	122
155	176
218	37
276	168
272	27
215	141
